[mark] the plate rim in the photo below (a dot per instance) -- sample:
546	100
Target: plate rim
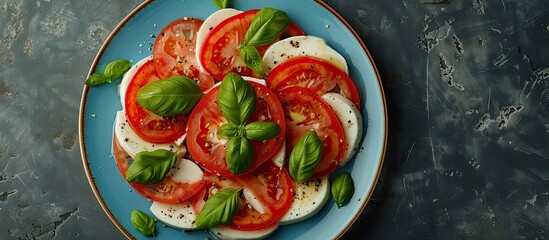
140	7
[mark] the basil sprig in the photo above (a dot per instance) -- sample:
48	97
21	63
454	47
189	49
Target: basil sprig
219	208
342	188
113	71
170	96
151	167
266	26
223	3
305	157
143	223
237	100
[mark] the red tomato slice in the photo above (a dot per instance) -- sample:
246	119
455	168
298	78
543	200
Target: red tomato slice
271	185
174	52
316	74
209	151
147	125
305	111
168	191
219	54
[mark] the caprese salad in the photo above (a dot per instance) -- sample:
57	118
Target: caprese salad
234	124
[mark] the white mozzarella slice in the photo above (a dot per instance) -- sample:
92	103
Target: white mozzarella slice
210	23
179	215
227	233
133	144
257	80
309	198
302	46
253	201
186	171
280	156
127	78
351	121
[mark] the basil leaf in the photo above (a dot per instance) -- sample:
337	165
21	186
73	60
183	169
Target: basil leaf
266	26
117	68
305	157
236	98
229	130
223	3
342	188
219	208
262	130
151	167
240	154
252	58
96	79
170	96
143	223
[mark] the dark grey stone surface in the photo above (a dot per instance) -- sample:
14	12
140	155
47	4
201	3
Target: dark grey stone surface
467	85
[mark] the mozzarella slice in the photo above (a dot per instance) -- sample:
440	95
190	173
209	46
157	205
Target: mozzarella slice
309	198
210	23
350	119
302	46
280	156
127	78
133	144
186	171
252	200
226	233
180	215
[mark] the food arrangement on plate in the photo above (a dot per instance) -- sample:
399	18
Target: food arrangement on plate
234	124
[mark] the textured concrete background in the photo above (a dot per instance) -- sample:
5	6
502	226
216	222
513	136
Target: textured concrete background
467	84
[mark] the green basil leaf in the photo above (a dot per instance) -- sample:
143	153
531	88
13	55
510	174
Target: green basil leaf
240	154
150	167
219	208
170	96
266	26
143	223
305	157
262	130
229	130
236	98
96	79
223	3
117	68
342	188
252	58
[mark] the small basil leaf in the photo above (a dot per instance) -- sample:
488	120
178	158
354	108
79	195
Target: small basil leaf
229	130
170	96
266	25
117	68
262	130
240	154
236	98
219	208
150	167
223	3
96	79
342	188
252	58
143	223
305	157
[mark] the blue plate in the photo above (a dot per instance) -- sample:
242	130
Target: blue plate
131	40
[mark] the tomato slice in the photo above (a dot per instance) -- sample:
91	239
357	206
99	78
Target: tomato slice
219	54
174	52
209	151
272	186
147	125
316	74
305	111
168	191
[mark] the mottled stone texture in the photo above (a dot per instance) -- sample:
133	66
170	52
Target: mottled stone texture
468	101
